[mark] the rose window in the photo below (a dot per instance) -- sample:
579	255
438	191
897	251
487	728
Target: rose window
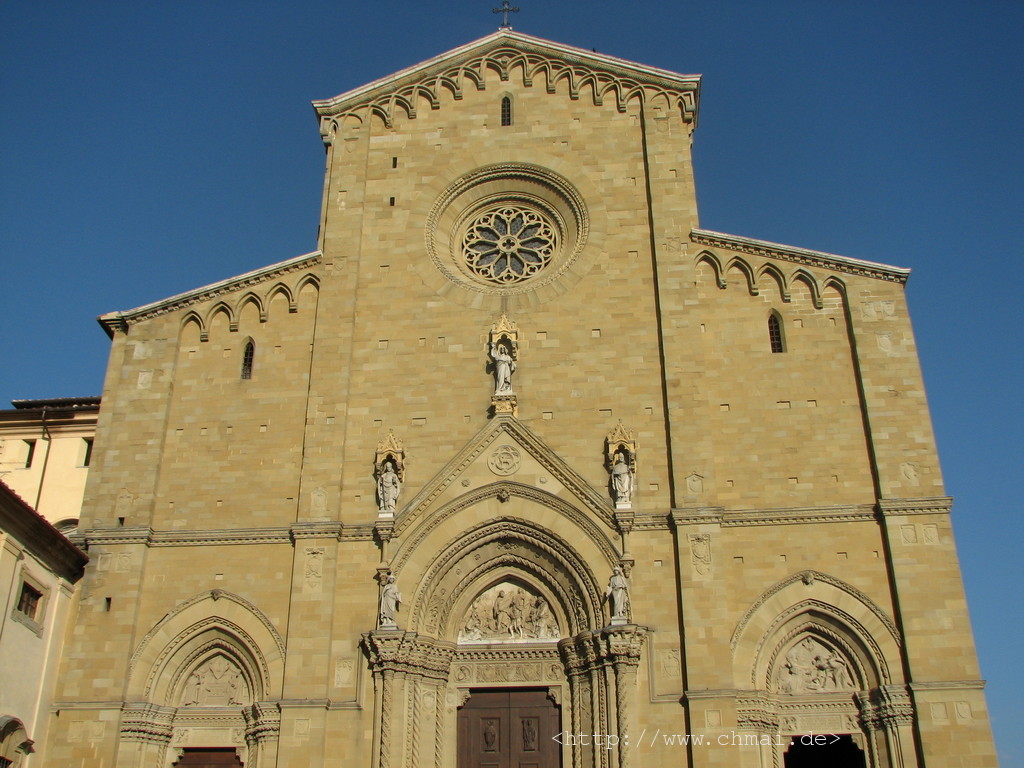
509	244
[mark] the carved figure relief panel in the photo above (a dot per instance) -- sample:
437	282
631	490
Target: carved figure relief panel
812	667
509	613
218	682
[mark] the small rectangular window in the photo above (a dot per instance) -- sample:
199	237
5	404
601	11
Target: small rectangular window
28	603
30	453
87	454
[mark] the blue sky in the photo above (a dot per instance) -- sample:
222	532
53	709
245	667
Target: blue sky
150	148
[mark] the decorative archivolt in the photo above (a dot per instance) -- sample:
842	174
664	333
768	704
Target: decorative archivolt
809	578
506	61
211	632
813	633
769	271
506	490
840	631
232	308
507	549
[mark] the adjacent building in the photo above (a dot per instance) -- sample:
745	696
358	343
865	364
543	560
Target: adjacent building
39	569
45	450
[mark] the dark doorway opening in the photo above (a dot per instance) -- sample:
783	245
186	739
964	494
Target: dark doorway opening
824	751
219	757
509	728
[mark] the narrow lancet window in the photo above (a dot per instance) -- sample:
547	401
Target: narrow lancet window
247	357
506	111
775	333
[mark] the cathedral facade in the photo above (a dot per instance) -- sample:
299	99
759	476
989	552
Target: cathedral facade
520	467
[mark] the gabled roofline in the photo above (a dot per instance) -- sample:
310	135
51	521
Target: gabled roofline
121	321
420	80
802	256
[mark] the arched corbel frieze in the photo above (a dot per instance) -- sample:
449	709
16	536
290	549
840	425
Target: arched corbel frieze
504	61
712	260
833	283
256	301
744	268
774	273
222	307
193	318
812	285
282	290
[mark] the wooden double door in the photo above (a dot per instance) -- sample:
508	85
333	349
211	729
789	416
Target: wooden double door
509	728
209	758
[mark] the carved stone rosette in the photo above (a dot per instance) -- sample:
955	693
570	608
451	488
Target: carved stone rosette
410	672
601	667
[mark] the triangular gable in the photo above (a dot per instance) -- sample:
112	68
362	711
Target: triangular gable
542	62
483	462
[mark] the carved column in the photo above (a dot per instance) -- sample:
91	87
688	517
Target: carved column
422	664
624	644
601	667
262	733
889	712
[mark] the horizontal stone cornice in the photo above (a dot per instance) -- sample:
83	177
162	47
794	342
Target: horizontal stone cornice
931	505
712	693
802	256
652	521
692	516
947	685
268	535
113	322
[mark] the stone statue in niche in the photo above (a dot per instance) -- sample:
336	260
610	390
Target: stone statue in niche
622	479
620	461
389	471
810	667
617	595
390	599
508	613
218	682
389	486
504	367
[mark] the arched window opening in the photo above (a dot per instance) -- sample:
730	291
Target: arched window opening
247	358
775	333
506	111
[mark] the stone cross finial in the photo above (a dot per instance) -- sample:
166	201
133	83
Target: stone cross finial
505	9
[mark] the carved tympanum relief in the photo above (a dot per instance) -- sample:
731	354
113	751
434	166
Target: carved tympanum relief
811	667
216	683
508	613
